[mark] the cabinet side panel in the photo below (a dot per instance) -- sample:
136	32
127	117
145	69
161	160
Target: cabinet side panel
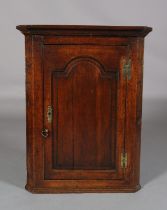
140	53
38	109
34	116
133	112
29	109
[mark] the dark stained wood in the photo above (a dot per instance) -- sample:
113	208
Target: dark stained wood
86	30
78	70
84	92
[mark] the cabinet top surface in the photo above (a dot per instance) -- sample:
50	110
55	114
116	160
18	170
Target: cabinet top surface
134	31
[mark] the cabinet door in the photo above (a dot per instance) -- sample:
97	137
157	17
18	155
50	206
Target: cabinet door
83	111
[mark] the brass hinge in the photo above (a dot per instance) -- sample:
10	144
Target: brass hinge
124	160
49	114
127	69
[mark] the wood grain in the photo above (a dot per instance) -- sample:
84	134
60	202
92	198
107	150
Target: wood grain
78	70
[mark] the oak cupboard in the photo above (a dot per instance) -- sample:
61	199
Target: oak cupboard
83	107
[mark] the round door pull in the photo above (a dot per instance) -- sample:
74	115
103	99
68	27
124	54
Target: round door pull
45	133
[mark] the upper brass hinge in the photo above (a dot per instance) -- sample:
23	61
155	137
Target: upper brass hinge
124	160
127	69
49	114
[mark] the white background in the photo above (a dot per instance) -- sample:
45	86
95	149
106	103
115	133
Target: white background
12	100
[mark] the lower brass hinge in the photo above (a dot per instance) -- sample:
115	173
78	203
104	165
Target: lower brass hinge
124	160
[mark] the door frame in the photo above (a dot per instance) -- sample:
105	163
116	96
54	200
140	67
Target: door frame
60	174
